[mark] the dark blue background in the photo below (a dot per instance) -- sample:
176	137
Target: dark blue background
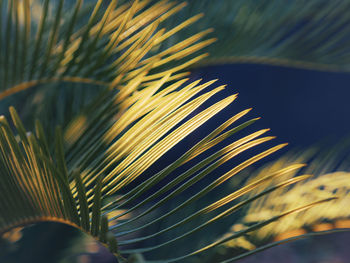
300	106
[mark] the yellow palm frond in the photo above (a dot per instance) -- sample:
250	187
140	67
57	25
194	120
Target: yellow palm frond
117	43
95	173
325	218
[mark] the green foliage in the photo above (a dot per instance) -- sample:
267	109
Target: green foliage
305	34
93	173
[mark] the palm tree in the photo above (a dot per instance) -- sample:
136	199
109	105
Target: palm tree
102	95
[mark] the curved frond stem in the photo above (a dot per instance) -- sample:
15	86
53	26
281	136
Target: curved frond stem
289	63
27	221
33	83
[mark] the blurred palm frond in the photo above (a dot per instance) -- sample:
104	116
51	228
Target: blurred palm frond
304	34
331	178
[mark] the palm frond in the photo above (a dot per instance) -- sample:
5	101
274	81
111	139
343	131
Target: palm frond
107	50
46	187
330	180
73	51
304	34
96	173
76	191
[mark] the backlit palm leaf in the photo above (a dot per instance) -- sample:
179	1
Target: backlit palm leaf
330	180
47	188
96	174
108	49
70	52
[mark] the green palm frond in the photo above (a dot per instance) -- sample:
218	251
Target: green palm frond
94	173
306	34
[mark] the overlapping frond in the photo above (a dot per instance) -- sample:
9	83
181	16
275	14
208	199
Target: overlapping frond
331	179
96	174
77	191
101	44
306	34
336	184
35	185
